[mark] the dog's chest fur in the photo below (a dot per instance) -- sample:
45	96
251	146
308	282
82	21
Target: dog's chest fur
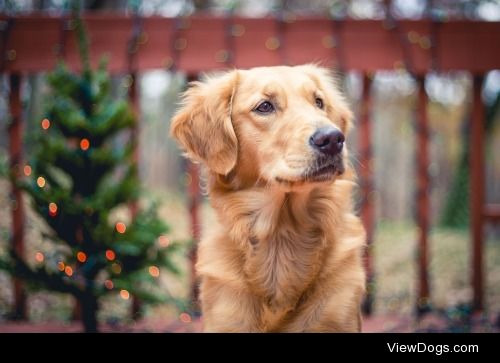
282	268
285	247
283	261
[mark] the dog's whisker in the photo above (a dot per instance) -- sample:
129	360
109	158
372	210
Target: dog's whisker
353	156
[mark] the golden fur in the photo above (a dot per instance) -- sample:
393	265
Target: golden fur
285	254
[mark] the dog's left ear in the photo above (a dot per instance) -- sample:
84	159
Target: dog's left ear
203	126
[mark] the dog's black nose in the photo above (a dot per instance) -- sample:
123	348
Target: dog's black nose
328	140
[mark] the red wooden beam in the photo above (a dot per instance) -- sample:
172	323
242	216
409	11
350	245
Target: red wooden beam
491	212
132	80
477	191
366	182
133	43
200	42
15	154
423	197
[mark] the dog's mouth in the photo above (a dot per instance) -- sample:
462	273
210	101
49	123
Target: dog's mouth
323	170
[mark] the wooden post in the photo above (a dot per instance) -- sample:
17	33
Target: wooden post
423	198
134	139
15	154
132	50
366	181
134	136
194	204
477	191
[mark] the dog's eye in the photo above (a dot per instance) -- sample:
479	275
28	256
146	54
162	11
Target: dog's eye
265	107
319	103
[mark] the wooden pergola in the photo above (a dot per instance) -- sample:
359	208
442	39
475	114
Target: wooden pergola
34	43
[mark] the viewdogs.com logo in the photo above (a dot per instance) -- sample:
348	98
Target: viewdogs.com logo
437	349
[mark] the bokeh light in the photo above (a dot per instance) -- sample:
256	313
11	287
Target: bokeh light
124	294
120	227
81	257
185	318
84	144
52	209
163	241
116	268
109	284
27	170
39	257
40	181
68	270
154	271
45	123
110	255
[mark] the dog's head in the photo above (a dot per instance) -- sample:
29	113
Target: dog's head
277	125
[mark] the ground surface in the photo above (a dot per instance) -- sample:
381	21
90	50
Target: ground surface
388	323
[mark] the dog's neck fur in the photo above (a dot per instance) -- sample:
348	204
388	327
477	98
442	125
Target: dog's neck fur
280	226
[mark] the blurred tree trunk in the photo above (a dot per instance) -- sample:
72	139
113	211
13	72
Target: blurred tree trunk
456	208
89	313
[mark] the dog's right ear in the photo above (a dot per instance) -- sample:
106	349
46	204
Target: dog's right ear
203	127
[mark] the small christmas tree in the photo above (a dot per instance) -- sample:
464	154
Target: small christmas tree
77	179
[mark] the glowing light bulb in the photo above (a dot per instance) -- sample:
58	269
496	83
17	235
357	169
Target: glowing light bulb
27	170
84	144
40	181
120	227
124	294
81	257
116	268
68	271
185	318
61	266
52	209
45	123
39	257
110	255
163	241
109	284
154	271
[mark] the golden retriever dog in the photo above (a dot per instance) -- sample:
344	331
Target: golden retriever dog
285	254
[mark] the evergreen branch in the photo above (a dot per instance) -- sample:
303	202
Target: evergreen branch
112	119
66	82
108	118
39	277
83	43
